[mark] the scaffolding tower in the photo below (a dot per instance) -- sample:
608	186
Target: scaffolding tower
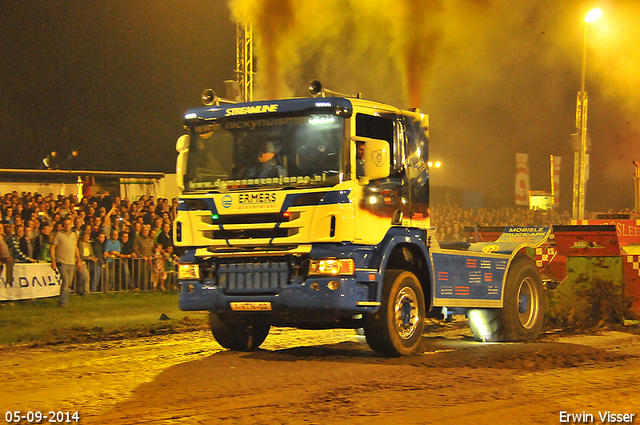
244	60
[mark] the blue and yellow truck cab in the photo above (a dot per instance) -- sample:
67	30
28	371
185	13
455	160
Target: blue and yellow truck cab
314	213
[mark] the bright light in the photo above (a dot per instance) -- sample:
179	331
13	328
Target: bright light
190	116
593	15
332	266
436	164
321	119
481	321
188	271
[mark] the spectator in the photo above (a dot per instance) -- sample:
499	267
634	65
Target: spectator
42	243
98	245
136	230
5	256
165	237
7	217
91	261
112	249
73	161
50	162
157	223
359	159
26	246
127	245
100	225
158	272
82	274
170	265
14	245
113	246
57	227
87	183
98	252
113	252
78	222
34	232
143	244
64	257
65	207
174	209
126	253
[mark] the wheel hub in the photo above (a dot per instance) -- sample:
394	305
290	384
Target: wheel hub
523	303
406	313
528	303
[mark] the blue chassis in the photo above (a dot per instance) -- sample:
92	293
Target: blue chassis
463	278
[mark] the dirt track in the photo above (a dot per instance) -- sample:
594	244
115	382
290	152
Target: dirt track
326	377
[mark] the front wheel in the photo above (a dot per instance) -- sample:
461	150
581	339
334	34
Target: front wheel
238	336
395	330
522	316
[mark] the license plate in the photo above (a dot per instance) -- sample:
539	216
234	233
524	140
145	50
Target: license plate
251	306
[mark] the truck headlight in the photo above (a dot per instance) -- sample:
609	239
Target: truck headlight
188	271
332	267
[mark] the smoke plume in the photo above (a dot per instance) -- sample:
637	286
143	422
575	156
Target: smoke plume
496	77
397	40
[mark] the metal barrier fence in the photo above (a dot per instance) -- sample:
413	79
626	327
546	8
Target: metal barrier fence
122	274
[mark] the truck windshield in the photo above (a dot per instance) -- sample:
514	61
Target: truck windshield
278	151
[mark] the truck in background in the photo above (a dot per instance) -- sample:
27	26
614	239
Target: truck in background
314	213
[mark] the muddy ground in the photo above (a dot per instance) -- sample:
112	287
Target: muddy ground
327	377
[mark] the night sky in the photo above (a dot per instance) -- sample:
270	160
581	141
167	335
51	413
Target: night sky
110	78
496	77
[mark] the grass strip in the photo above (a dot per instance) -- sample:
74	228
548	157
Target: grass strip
94	317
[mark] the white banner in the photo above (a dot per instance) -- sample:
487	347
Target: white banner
522	179
35	280
133	188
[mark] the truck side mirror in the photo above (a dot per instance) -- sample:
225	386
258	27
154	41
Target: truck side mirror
377	158
182	146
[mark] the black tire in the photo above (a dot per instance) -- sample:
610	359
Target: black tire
522	316
395	330
238	336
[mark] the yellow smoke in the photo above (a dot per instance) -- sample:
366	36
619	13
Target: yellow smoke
393	50
385	49
613	57
273	21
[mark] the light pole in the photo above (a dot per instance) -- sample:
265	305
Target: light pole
581	157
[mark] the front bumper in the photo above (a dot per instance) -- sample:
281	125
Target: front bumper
353	295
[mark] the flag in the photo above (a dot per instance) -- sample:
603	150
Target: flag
522	179
556	161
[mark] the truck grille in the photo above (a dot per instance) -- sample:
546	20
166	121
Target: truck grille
253	233
276	219
256	275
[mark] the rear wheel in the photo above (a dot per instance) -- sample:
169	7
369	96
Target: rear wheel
238	336
397	327
522	316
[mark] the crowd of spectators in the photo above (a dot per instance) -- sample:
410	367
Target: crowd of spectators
110	228
450	220
107	229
